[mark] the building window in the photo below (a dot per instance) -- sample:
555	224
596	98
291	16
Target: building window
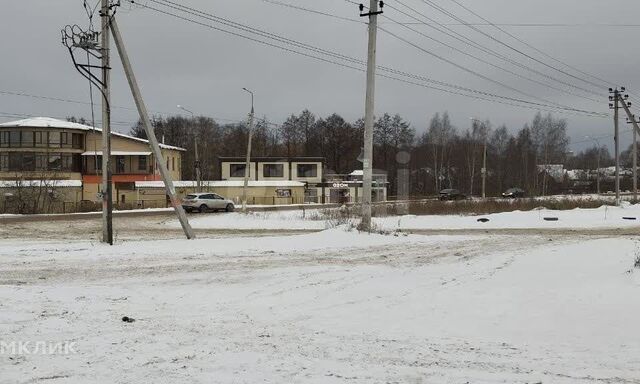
41	161
41	139
173	163
120	164
307	170
237	170
4	162
76	140
54	139
14	139
27	139
273	170
4	139
67	162
64	139
15	161
55	162
142	163
28	161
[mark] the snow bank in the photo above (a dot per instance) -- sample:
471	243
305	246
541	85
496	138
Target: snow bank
603	217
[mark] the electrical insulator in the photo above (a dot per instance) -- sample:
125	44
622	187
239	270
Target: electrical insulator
610	98
623	89
361	7
629	104
381	4
610	89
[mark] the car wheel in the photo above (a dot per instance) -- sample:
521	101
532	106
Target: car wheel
229	208
203	208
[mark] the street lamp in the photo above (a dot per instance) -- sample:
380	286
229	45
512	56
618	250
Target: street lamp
484	160
248	162
195	142
597	143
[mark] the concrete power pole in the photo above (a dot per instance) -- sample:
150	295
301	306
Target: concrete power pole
367	162
247	167
107	199
195	145
153	141
631	119
616	106
484	168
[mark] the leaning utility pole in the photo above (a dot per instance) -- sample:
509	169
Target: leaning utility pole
247	167
107	194
631	119
616	106
144	116
367	162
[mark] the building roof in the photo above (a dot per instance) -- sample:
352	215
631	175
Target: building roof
49	122
274	159
40	183
221	183
360	172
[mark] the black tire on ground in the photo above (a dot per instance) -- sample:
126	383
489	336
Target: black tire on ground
203	208
229	208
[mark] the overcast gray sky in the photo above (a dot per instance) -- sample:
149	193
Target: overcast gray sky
178	62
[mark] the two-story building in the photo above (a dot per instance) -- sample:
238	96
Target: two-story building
70	155
307	171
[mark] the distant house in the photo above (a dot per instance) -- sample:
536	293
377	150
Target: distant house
67	153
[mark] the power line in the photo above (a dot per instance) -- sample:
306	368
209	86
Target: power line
605	82
453	16
59	99
550	25
320	51
484	49
468	41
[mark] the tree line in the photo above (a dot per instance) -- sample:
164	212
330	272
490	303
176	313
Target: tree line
443	156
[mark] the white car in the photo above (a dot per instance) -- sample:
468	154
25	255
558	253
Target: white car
203	202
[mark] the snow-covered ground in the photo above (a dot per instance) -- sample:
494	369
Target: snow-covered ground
328	307
592	218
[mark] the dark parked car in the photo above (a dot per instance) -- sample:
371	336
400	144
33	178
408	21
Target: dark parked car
513	193
451	194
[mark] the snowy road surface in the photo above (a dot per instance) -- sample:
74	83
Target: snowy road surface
325	307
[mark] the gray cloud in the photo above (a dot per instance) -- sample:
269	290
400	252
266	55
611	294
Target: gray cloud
181	63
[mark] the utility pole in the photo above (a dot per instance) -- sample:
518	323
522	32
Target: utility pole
247	167
367	162
631	119
634	154
107	194
195	144
484	168
616	106
151	136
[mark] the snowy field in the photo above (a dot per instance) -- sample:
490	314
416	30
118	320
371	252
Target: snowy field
332	306
592	218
